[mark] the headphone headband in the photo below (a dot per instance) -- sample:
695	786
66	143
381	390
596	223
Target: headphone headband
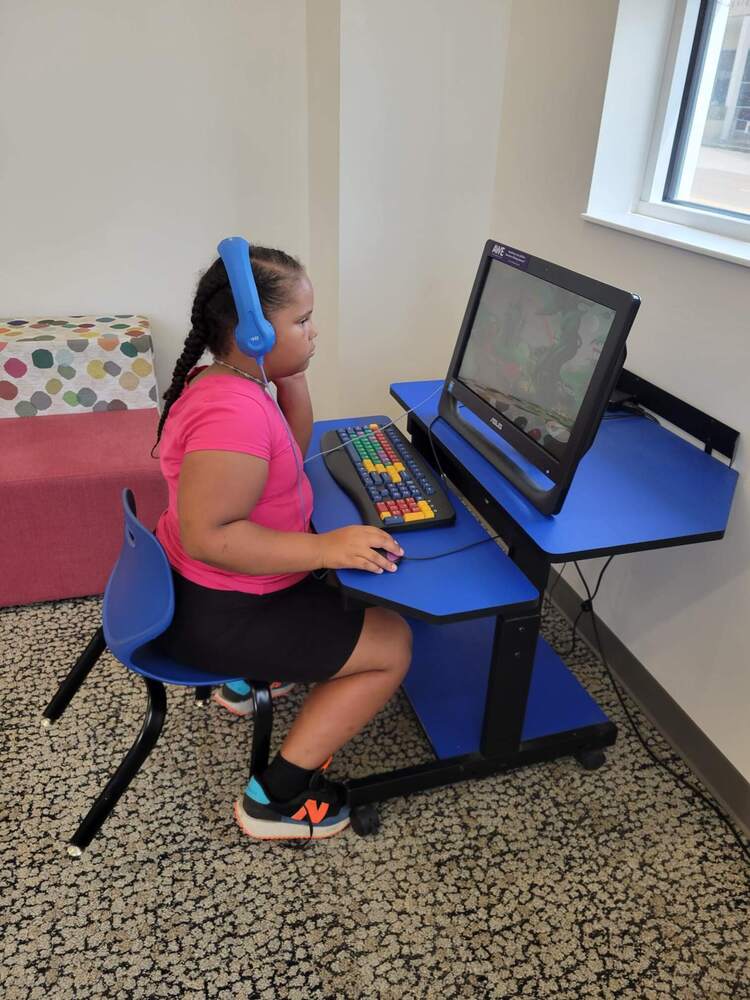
255	336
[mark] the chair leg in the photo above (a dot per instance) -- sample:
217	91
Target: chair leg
99	812
261	728
203	696
78	674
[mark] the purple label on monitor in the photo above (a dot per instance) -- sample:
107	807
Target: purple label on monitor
509	255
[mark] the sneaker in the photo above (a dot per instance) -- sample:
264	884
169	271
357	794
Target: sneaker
320	811
241	702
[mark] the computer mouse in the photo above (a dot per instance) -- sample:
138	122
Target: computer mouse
390	556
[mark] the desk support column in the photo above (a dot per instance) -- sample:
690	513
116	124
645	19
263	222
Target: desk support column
512	663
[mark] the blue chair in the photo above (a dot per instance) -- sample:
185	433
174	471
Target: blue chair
138	607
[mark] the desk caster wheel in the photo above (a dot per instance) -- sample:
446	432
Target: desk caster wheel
590	760
365	820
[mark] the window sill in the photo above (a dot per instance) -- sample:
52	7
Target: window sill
673	234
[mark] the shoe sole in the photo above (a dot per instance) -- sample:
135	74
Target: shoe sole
231	706
265	830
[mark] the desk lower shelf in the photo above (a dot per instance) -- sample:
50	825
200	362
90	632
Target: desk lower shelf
447	685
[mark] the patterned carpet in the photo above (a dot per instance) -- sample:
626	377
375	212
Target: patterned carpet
546	882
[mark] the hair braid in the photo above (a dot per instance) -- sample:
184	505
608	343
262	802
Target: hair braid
196	342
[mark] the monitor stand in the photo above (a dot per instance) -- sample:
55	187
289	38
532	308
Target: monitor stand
546	495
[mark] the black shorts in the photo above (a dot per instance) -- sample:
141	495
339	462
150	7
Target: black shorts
302	633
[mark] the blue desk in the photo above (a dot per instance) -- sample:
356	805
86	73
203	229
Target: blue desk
489	692
638	487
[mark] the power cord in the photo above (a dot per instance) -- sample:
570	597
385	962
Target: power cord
629	410
587	605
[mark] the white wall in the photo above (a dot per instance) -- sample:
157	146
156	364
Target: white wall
133	137
421	85
683	612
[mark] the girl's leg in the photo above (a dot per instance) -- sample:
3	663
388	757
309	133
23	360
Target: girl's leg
336	709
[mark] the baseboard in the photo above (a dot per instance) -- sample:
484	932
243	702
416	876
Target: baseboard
725	782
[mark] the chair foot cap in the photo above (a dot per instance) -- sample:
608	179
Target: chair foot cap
74	851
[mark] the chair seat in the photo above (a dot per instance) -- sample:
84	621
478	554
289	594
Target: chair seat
149	662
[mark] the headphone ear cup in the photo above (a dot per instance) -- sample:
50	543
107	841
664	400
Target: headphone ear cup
253	338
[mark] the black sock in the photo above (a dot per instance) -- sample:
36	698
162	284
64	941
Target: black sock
284	780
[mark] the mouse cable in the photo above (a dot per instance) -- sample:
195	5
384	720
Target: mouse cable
587	605
362	437
450	552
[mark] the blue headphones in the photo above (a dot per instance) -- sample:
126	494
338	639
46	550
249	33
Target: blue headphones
255	335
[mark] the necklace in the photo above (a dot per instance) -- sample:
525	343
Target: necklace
239	371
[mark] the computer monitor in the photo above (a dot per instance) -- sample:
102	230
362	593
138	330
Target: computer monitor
538	355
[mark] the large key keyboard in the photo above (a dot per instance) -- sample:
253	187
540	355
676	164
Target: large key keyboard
389	481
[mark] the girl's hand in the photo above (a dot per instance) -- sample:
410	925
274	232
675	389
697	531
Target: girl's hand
289	380
354	548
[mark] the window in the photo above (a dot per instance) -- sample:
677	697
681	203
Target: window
700	163
710	162
673	160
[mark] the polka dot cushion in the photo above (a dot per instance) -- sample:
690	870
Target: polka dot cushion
76	364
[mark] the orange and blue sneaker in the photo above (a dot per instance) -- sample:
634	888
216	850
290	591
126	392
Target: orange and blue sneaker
237	696
320	811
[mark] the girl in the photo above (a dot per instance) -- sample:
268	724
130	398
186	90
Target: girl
237	535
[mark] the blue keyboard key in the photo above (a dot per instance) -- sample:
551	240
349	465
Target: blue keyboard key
393	520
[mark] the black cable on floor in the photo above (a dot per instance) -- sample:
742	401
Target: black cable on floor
587	605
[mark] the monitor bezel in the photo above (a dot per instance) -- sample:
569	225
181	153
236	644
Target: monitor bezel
625	306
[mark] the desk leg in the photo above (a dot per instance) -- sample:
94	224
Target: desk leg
511	666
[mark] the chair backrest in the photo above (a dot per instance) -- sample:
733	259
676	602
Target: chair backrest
139	599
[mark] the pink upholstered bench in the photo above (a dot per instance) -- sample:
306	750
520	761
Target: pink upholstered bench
61	477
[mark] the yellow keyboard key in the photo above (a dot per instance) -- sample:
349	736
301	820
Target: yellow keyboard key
426	509
399	466
390	470
374	427
384	515
414	516
369	465
395	478
379	467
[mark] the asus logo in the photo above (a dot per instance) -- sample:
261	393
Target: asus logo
496	423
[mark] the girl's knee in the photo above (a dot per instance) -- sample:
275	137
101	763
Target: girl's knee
398	643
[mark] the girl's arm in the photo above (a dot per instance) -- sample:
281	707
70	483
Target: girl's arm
217	491
293	395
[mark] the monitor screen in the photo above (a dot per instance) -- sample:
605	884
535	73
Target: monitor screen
531	352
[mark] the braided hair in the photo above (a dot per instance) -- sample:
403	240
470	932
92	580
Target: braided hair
214	316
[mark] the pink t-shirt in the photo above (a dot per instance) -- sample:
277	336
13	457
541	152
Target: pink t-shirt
229	413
